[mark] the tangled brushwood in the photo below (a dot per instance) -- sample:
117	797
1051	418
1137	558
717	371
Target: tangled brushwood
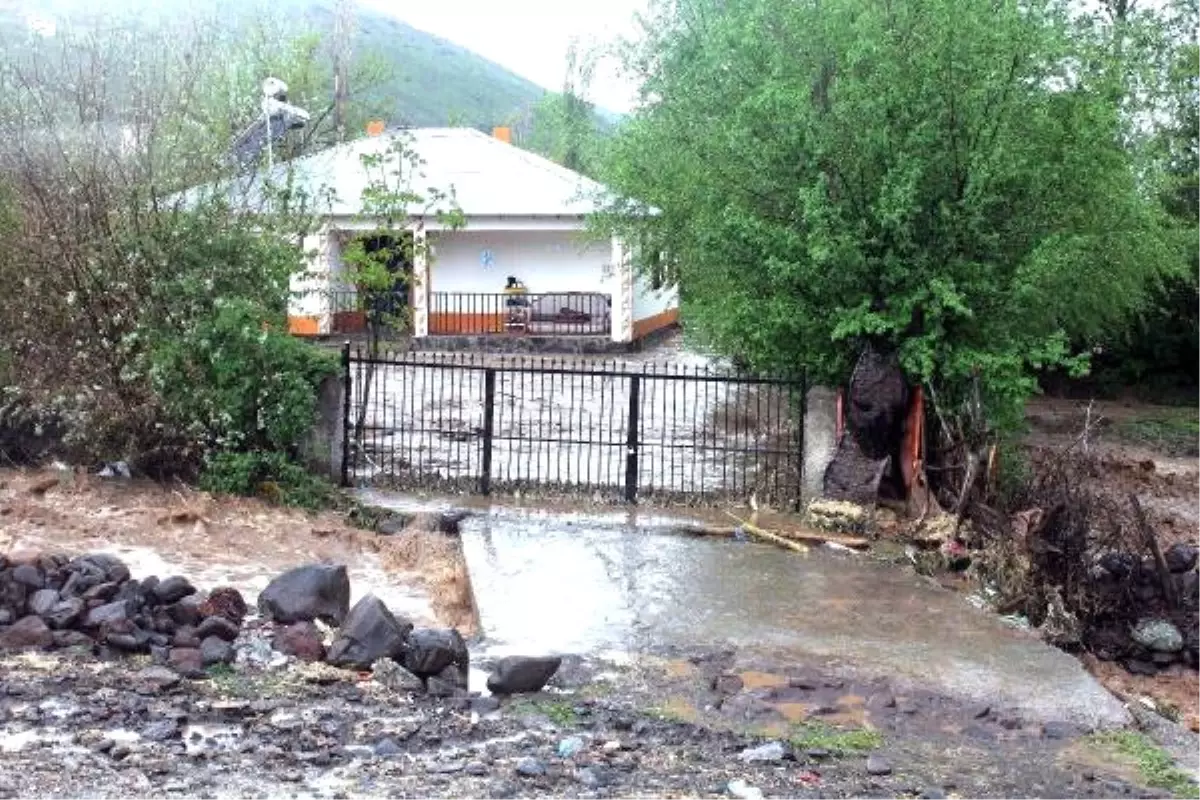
1085	568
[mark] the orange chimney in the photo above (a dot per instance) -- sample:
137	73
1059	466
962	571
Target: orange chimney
375	127
504	134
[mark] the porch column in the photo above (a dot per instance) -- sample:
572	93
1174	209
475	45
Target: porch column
419	291
308	303
622	284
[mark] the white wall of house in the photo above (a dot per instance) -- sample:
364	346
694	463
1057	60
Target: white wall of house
545	261
648	301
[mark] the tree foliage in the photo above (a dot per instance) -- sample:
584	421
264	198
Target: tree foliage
947	180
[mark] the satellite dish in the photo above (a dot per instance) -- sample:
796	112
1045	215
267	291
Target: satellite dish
277	118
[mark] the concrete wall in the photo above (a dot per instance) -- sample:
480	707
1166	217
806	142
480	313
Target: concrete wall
546	261
820	442
322	451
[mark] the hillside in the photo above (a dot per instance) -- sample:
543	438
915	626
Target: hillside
435	82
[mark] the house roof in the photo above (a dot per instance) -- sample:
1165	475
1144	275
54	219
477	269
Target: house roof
488	177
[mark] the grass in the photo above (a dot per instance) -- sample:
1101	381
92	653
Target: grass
812	734
559	712
1155	765
1174	431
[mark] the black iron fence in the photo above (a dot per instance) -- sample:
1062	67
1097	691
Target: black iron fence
552	313
604	429
350	310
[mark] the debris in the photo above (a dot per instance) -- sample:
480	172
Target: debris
743	791
770	537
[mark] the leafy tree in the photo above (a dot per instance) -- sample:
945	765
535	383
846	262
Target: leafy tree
563	126
941	179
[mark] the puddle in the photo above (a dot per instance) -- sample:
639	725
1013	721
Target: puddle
588	583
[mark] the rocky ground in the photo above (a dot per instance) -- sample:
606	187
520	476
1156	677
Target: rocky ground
682	727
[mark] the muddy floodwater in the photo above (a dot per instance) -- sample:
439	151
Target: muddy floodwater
590	582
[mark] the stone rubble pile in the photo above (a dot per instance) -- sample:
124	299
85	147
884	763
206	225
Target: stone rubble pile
93	604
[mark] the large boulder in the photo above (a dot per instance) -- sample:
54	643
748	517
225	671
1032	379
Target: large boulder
27	633
369	632
43	602
107	614
1181	556
515	674
66	612
430	650
1158	635
172	590
99	567
315	591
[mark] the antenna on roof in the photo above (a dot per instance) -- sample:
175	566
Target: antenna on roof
278	117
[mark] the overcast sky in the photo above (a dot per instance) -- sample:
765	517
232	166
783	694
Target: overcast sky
529	37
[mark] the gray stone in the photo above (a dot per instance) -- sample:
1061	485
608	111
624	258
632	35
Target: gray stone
817	753
161	730
1181	557
101	566
387	748
185	612
484	705
428	651
450	682
1158	634
315	591
368	633
768	752
219	627
395	677
43	602
215	650
107	614
529	767
27	633
28	575
515	674
727	684
878	765
476	768
172	590
1140	667
933	793
102	591
1057	730
185	636
135	641
448	767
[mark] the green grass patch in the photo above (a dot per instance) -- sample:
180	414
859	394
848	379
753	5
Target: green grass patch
1174	431
813	734
559	712
1155	764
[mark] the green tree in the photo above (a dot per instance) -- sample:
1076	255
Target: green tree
563	126
941	179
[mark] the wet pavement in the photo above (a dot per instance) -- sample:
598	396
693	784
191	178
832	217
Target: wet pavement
627	581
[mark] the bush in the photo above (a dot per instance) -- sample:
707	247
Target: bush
271	475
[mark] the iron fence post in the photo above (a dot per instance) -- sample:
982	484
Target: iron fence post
489	421
631	440
346	378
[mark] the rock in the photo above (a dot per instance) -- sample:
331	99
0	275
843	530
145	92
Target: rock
134	641
161	730
476	768
485	705
215	650
428	651
28	575
315	591
1163	659
108	614
448	767
172	590
1188	588
387	748
817	753
1181	557
569	746
769	752
6	616
388	673
219	627
743	791
27	633
187	661
156	679
450	682
933	793
227	602
43	601
302	640
878	765
727	684
1158	634
1140	667
981	712
391	524
185	636
589	777
529	767
101	566
369	632
66	639
515	674
185	612
102	591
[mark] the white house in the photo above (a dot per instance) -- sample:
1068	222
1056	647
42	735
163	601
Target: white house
524	218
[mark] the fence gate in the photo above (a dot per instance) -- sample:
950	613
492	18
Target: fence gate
607	429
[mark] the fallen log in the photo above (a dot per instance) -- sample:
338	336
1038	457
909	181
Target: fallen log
792	537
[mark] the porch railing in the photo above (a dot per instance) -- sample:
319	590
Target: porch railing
350	310
547	314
